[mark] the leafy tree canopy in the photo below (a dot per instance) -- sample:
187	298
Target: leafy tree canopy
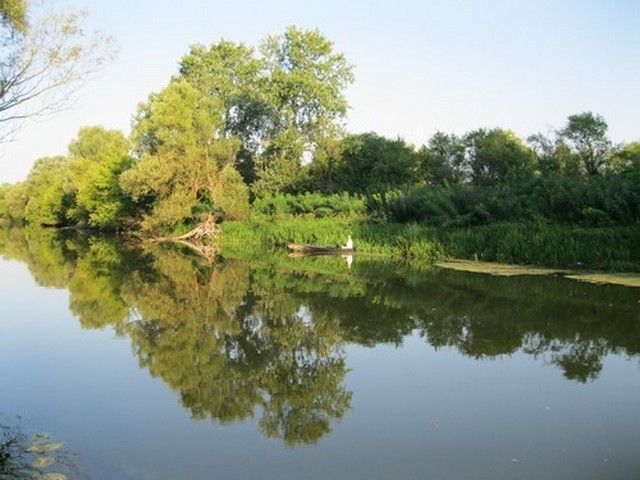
178	136
13	15
443	160
46	192
627	158
586	133
306	82
98	157
280	102
498	156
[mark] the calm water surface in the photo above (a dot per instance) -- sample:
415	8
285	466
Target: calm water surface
155	364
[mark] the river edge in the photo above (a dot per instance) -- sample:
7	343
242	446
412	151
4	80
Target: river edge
627	279
229	241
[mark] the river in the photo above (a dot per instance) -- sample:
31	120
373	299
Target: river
156	364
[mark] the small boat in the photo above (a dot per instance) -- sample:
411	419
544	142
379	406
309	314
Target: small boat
318	249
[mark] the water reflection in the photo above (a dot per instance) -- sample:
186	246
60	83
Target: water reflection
266	337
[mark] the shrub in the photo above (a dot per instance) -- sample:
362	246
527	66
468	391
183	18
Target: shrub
596	201
309	204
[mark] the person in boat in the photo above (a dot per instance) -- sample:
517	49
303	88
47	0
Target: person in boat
349	244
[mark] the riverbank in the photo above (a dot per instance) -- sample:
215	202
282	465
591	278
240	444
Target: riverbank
545	245
511	270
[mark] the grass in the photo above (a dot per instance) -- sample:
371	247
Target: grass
541	244
373	238
557	246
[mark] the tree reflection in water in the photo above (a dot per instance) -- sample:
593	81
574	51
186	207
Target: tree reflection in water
235	337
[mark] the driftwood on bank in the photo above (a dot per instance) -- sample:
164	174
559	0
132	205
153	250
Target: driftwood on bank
207	231
201	240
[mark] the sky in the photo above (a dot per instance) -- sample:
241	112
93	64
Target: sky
420	66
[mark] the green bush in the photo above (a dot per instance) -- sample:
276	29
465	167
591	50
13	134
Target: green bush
597	201
309	204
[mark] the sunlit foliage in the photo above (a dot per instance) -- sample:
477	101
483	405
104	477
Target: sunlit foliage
182	153
97	158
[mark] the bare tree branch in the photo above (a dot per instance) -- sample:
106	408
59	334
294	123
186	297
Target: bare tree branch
44	66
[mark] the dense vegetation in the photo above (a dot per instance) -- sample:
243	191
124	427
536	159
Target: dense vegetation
233	120
553	245
257	134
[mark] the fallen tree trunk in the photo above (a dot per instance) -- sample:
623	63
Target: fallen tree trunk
207	230
201	240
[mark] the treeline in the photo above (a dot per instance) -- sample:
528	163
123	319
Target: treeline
234	121
240	130
479	178
573	175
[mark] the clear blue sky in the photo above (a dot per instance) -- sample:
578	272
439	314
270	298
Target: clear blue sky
420	66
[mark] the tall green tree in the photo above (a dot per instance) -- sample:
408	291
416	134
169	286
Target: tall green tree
306	80
497	157
47	192
586	133
178	137
280	105
232	73
98	157
443	160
